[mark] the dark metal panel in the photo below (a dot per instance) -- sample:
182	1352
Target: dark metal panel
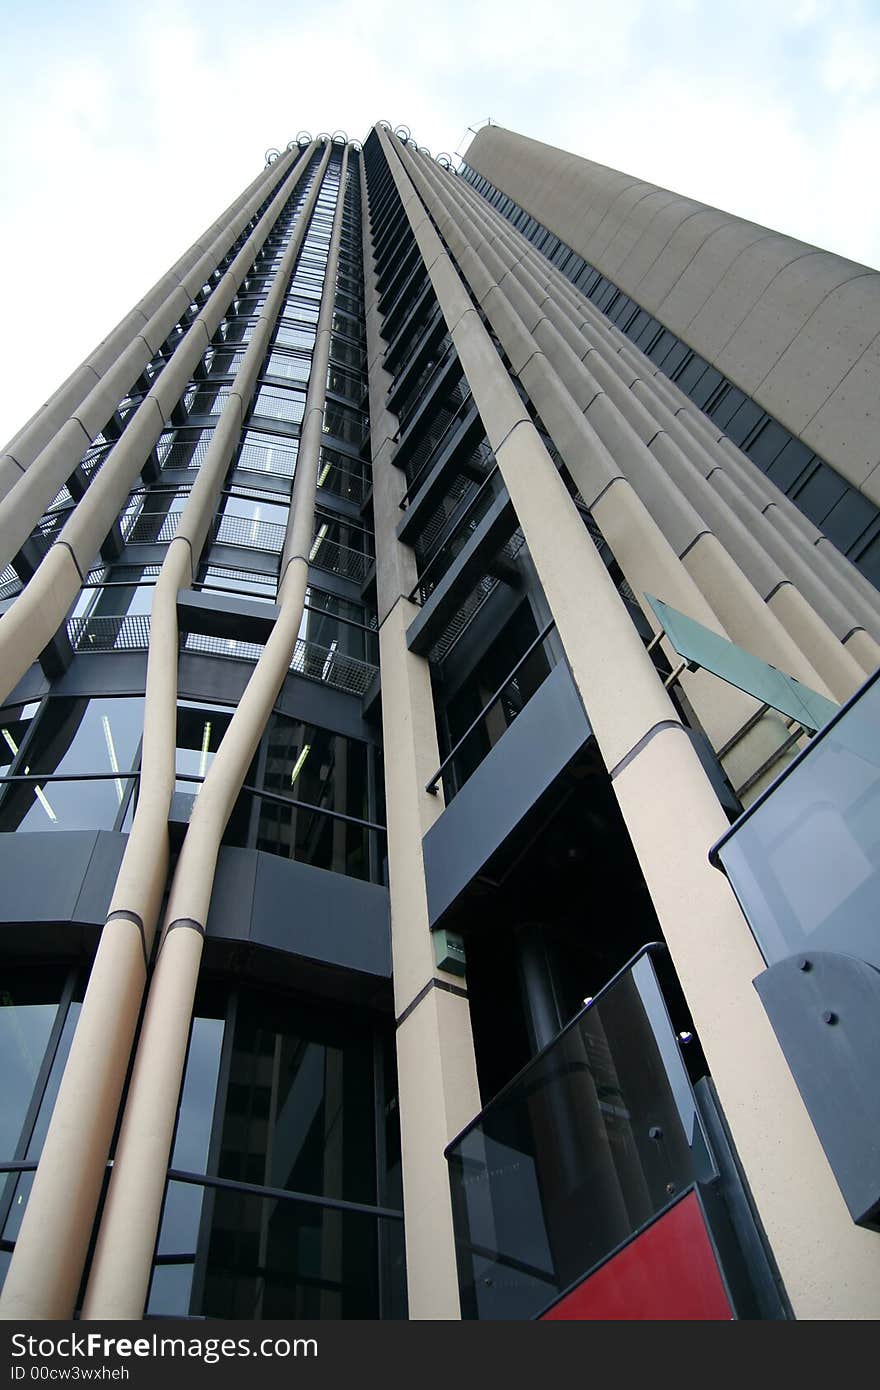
84	864
825	1011
100	877
516	772
291	907
225	615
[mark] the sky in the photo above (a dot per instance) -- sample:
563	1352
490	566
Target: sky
127	128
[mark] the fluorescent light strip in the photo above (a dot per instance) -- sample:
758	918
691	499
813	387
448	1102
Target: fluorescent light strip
111	754
298	765
322	531
206	743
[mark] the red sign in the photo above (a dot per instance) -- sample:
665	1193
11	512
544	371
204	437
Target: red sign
668	1273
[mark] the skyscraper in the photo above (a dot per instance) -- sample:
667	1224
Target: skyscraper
400	604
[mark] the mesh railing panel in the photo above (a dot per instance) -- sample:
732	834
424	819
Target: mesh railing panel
280	405
339	559
126	632
255	535
183	453
473	603
131	632
151	528
268	458
10	584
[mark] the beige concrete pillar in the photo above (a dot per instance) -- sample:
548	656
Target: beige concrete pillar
625	373
435	1058
122	1263
44	1274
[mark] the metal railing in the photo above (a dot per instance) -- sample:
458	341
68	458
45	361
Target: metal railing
206	401
125	632
249	533
441	421
425	467
130	632
464	616
151	528
461	525
280	405
279	459
289	367
339	559
335	476
181	453
542	636
10	584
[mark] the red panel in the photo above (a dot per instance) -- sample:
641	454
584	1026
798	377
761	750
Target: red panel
668	1273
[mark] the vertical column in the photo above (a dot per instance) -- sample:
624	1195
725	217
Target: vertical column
123	1257
50	1252
830	1267
436	1069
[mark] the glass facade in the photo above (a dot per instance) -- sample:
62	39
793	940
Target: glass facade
294	1213
39	1007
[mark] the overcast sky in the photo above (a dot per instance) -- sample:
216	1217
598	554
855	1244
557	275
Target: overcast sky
127	128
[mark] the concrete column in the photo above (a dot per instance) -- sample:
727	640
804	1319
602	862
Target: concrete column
122	1263
47	1264
625	373
648	560
830	1267
435	1059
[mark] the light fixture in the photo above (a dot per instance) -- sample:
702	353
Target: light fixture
322	477
316	544
206	743
111	754
10	741
298	765
41	797
685	1036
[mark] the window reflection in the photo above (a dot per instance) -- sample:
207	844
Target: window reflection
39	1008
278	1094
327	771
99	736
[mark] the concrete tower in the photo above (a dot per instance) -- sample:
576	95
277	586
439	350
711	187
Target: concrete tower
398	606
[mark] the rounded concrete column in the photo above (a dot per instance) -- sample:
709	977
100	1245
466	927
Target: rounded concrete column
437	1082
122	1262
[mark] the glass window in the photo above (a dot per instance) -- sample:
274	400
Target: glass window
232	1254
267	453
99	736
329	773
278	1094
14	724
200	729
39	1007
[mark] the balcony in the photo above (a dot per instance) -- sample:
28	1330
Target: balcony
580	1159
